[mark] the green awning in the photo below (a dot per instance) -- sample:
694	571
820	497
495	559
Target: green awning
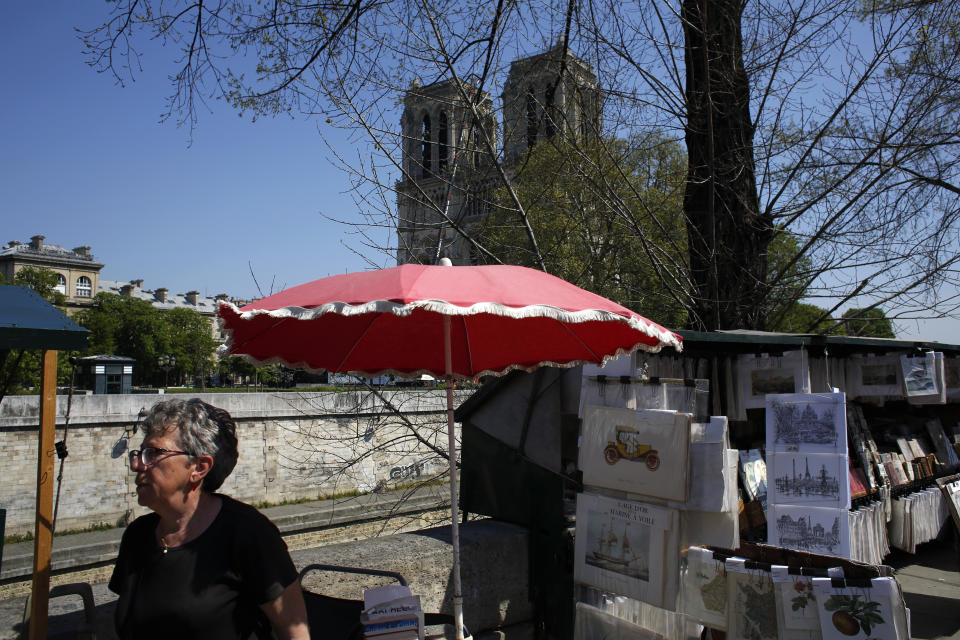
27	321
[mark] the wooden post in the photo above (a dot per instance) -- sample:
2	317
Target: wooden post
43	532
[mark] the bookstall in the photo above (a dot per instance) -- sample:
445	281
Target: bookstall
751	485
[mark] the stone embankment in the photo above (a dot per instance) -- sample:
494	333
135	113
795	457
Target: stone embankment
293	446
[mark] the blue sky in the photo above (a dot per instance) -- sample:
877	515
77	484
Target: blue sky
86	162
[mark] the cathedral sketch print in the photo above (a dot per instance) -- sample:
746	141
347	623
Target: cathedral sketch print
803	423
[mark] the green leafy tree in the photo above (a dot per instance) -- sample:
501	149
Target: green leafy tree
190	342
870	323
43	281
125	326
238	369
800	317
607	217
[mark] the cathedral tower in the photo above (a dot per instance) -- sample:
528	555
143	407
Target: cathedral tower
442	154
545	95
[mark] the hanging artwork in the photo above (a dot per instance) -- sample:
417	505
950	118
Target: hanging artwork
850	609
752	607
937	395
762	375
625	547
819	480
813	529
705	589
874	377
918	376
796	604
807	422
644	452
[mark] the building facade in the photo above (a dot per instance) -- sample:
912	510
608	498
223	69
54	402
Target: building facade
450	136
77	270
80	281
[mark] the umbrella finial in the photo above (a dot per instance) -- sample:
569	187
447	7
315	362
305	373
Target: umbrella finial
446	262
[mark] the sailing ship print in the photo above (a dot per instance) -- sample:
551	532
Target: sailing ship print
615	552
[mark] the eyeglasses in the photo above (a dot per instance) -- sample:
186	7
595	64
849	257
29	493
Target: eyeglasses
149	456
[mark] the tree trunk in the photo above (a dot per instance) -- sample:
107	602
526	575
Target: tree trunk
727	235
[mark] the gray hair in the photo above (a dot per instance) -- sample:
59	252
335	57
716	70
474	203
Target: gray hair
202	430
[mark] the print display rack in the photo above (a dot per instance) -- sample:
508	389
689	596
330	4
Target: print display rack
642	498
809	495
770	593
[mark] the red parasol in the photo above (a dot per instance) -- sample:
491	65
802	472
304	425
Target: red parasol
452	322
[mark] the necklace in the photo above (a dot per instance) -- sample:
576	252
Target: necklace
163	546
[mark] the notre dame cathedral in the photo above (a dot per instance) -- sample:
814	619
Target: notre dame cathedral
448	172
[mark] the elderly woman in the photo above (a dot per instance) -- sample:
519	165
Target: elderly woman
202	565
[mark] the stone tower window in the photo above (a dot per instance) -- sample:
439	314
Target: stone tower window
426	151
549	127
531	119
443	145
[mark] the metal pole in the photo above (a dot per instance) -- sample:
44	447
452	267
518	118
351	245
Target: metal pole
454	507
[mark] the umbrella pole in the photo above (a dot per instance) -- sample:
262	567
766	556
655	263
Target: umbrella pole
454	506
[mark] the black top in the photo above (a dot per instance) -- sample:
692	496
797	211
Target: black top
209	588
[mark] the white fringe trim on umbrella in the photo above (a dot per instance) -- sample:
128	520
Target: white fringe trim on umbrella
639	323
664	337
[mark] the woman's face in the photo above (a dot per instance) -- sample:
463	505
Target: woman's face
167	480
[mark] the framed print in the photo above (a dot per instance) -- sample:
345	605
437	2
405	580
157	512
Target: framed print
814	529
938	394
763	375
814	479
644	451
624	547
807	423
919	378
874	377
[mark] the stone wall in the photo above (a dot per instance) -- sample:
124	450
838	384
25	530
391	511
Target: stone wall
292	446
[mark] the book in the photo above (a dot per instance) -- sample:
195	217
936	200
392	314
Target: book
391	613
388	626
858	483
